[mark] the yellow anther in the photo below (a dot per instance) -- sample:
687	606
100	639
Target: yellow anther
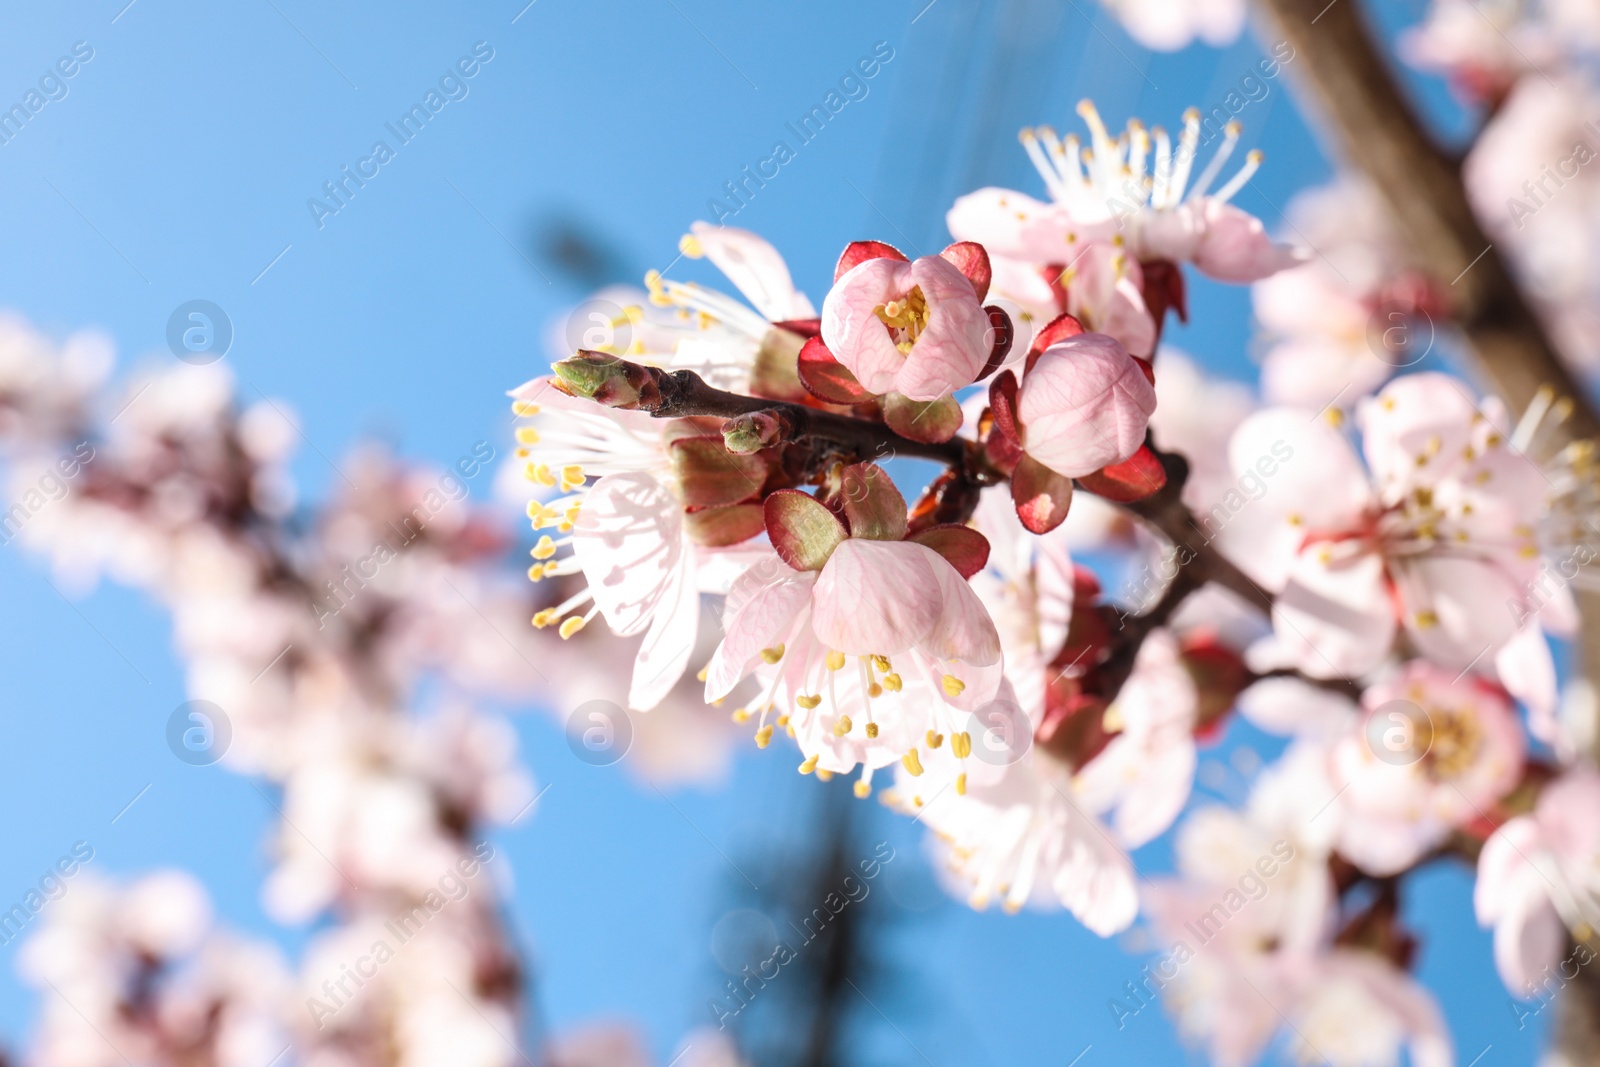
1111	722
524	408
891	682
961	744
536	572
961	784
824	775
952	685
690	246
772	655
843	726
934	740
912	763
701	674
570	627
783	720
544	618
539	472
807	702
527	435
545	548
882	664
741	714
872	730
764	736
809	765
1426	620
835	660
863	789
571	477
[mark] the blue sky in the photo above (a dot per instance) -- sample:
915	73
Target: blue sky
178	166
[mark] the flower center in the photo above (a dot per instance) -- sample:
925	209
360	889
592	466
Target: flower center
906	318
1453	742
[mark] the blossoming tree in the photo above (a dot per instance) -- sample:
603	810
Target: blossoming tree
1381	563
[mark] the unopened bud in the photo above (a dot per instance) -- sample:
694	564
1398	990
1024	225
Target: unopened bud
753	432
605	379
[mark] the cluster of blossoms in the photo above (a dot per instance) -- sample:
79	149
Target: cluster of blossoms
1370	575
308	634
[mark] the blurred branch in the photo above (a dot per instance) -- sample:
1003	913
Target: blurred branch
1377	131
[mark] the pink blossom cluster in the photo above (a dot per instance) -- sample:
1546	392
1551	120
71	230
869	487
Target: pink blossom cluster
1360	562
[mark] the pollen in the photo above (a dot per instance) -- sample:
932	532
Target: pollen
835	660
872	730
536	572
572	477
892	683
961	744
934	740
544	618
809	765
772	655
952	685
807	702
540	473
764	736
912	763
545	548
843	726
570	627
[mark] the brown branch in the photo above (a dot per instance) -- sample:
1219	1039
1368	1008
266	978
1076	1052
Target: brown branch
684	394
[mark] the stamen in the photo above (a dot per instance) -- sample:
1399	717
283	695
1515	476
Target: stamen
1230	137
912	763
1252	163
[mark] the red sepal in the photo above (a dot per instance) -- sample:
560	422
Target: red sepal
1004	336
858	252
1135	478
806	328
971	259
825	377
964	548
1041	496
1055	331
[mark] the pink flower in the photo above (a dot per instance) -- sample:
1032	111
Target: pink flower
1432	754
867	639
1125	190
915	328
1537	877
1438	538
1085	405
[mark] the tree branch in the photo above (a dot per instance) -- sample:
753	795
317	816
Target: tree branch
684	394
1376	130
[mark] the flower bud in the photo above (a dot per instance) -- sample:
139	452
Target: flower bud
753	432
